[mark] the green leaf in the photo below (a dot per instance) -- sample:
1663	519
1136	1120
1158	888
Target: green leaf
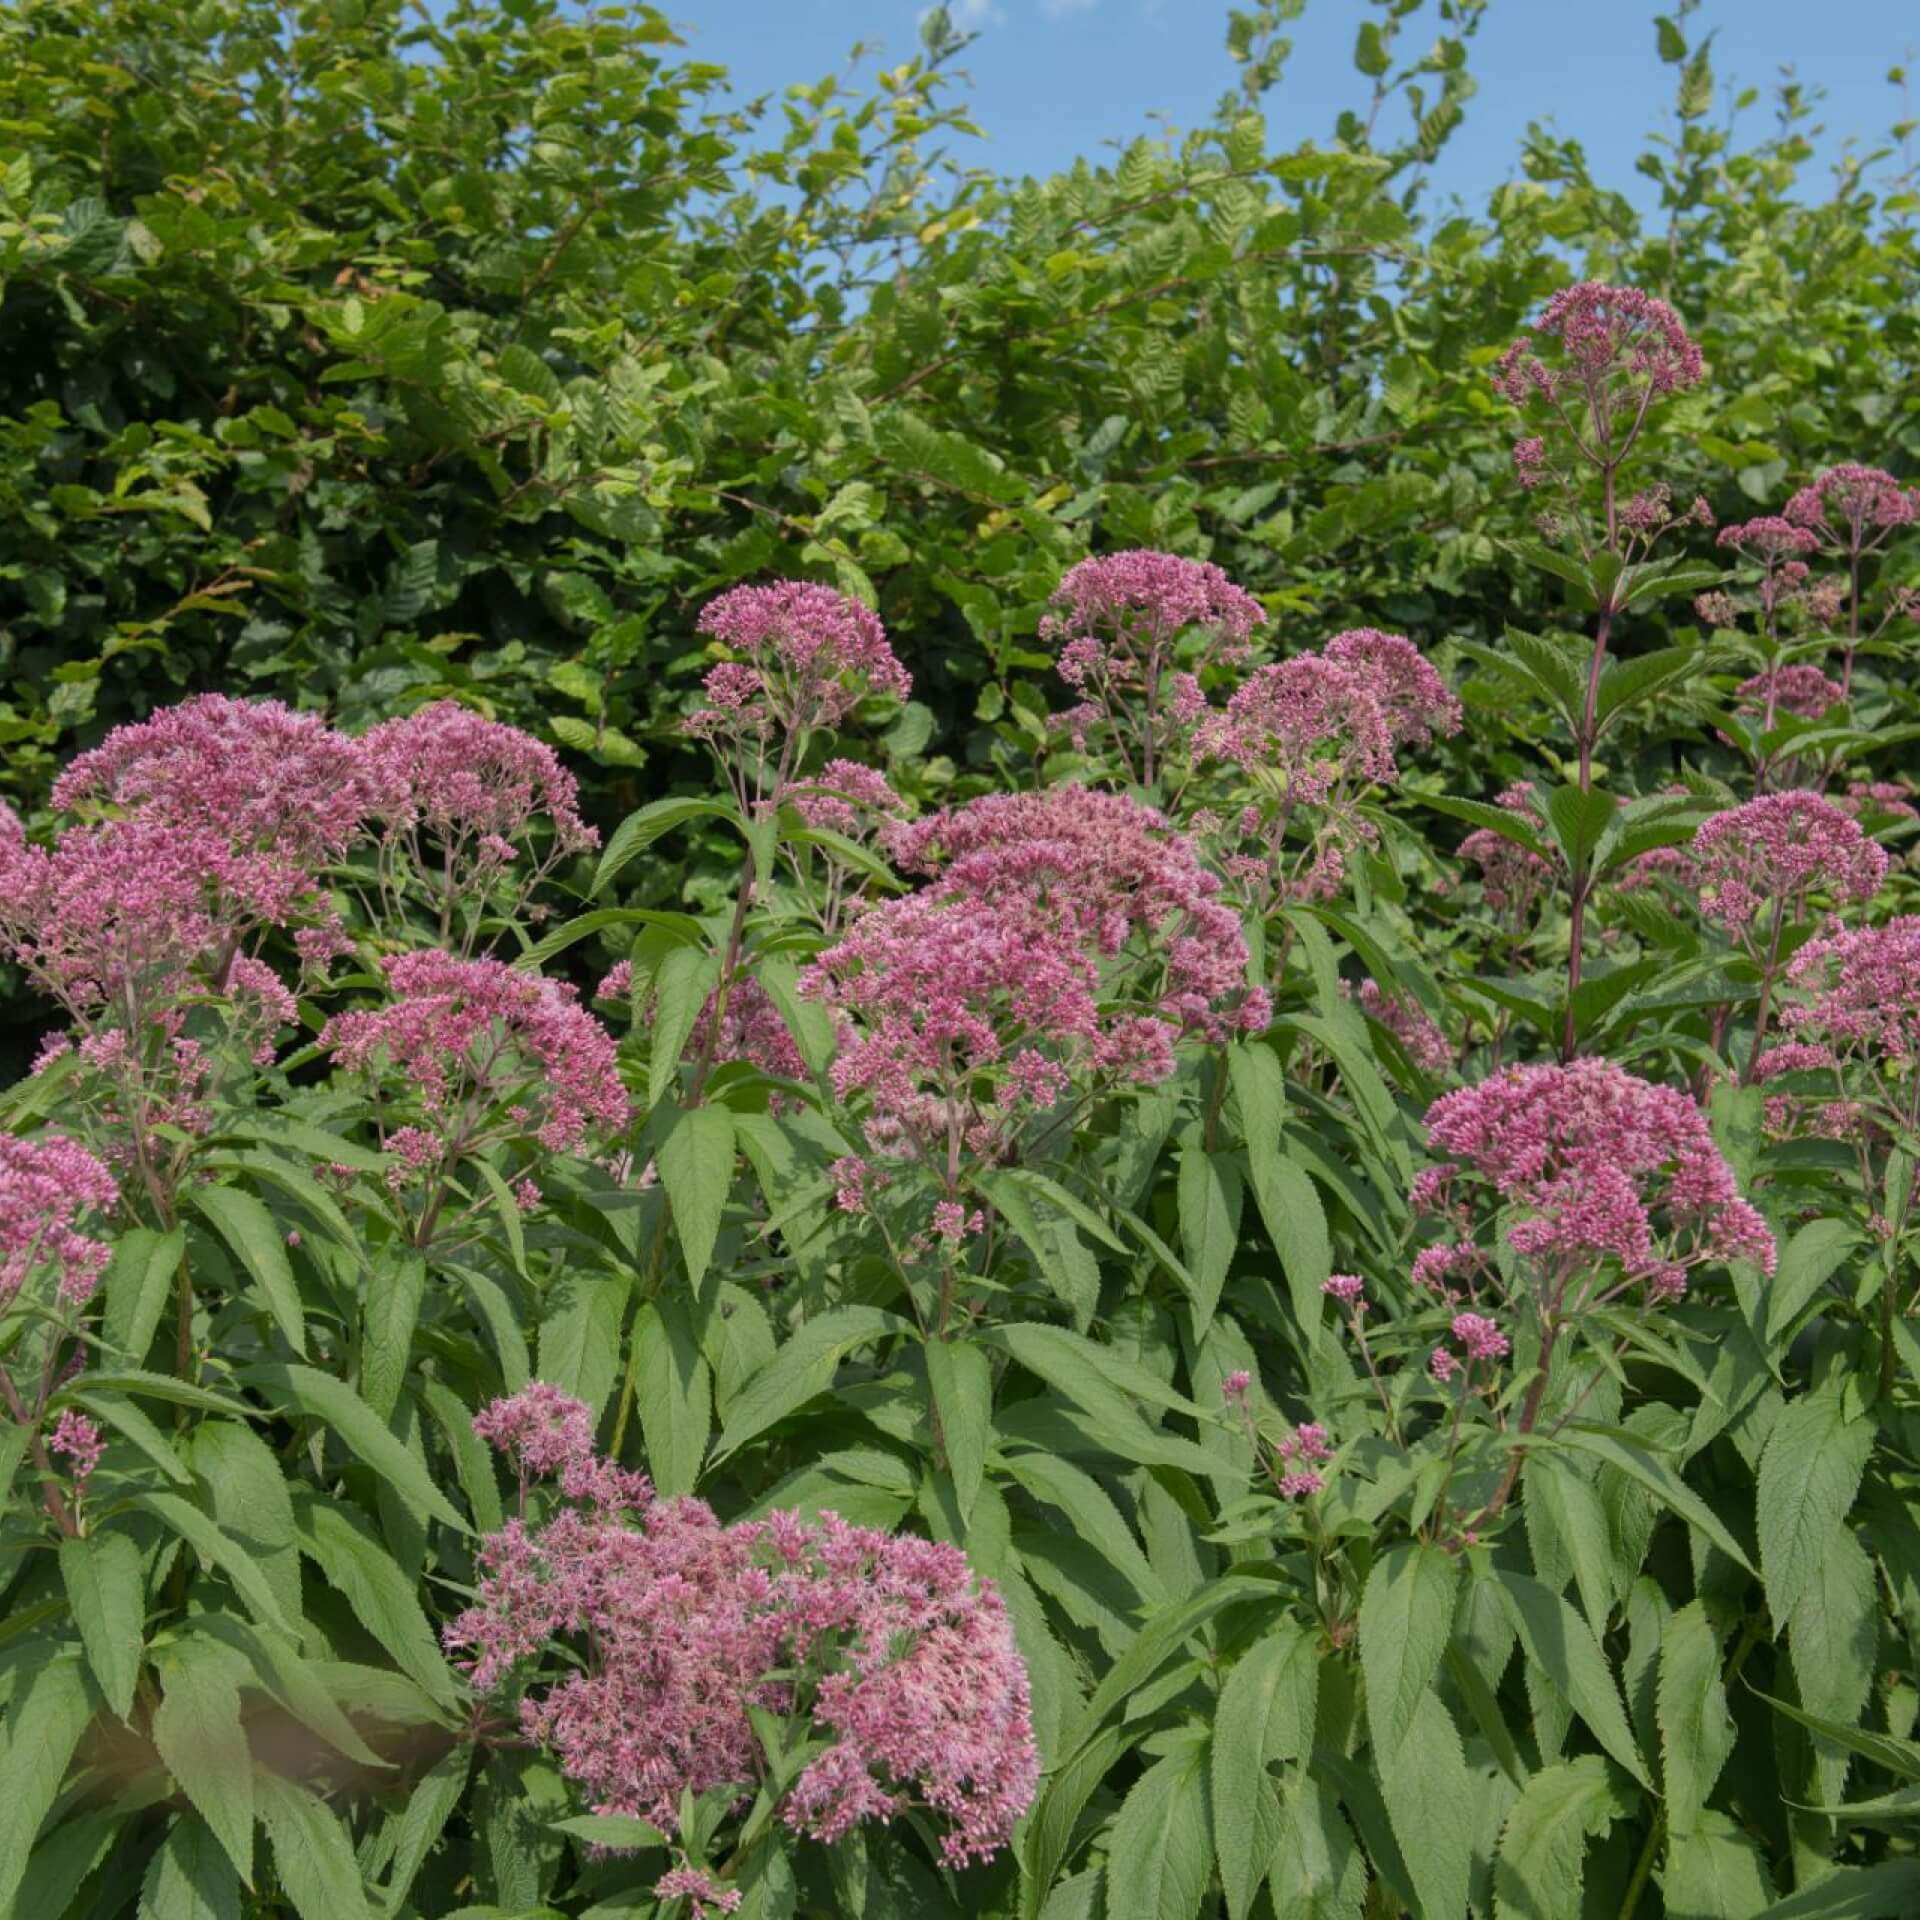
1370	50
1626	683
219	1552
102	1576
1209	1192
681	984
51	1708
1715	1872
1561	1645
255	1237
1074	1364
1265	1713
1833	1635
1580	820
1625	1452
1090	1511
428	1810
695	1158
1890	1891
1696	1731
134	1425
1539	1872
802	1369
1809	1474
395	1287
1318	1872
640	830
322	1397
674	1393
1429	1797
384	1600
198	1732
962	1382
138	1283
1807	1261
1049	1827
1160	1854
1296	1224
1406	1614
246	1488
189	1876
311	1853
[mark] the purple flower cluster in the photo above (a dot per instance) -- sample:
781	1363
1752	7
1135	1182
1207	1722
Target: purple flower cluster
1778	850
460	1036
1593	1168
46	1185
905	1664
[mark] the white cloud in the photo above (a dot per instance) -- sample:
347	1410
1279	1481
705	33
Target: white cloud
969	16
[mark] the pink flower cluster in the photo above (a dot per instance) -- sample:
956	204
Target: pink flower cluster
845	797
1597	1169
1859	993
1778	850
1410	1024
463	1035
46	1185
81	1442
253	773
1481	1338
905	1664
1616	343
751	1028
1802	690
1118	620
1043	906
1322	728
1853	508
1512	877
809	656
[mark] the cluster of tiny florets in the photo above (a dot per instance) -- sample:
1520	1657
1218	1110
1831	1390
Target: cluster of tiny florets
47	1185
468	1033
1592	1167
1778	850
903	1661
808	655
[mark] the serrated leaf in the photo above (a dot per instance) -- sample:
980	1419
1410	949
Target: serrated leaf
695	1159
962	1383
681	984
1160	1853
1210	1199
1696	1731
198	1731
1562	1647
311	1853
255	1237
1265	1713
190	1876
102	1577
1318	1872
246	1488
365	1433
137	1286
1539	1872
1430	1804
802	1369
674	1394
395	1287
1809	1474
349	1553
1715	1872
51	1708
1406	1614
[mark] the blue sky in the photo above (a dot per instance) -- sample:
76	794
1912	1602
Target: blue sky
1056	78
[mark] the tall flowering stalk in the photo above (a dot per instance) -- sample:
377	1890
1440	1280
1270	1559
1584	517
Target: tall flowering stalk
1756	867
1069	940
1613	352
467	1057
1852	512
1597	1186
1309	742
1135	631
